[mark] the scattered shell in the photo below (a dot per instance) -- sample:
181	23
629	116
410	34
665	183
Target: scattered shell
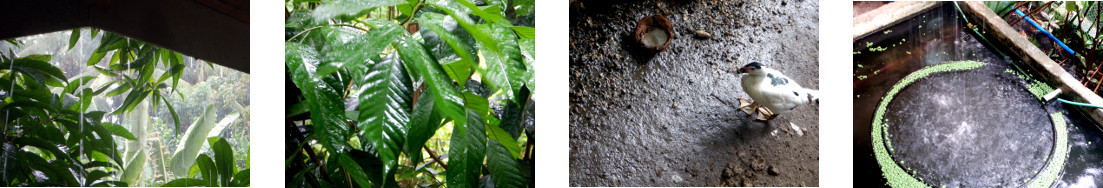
654	33
796	129
703	34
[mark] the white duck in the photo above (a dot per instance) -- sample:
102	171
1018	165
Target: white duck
773	90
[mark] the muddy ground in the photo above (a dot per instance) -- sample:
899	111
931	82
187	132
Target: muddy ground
671	119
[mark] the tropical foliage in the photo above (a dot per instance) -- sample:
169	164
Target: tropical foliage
88	115
404	93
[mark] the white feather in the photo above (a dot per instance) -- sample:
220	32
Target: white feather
780	98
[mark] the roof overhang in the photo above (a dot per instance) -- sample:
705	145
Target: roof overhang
213	30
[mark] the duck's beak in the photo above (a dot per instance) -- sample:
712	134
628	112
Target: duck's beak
742	70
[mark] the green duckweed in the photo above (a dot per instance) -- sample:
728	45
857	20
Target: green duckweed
893	173
1053	168
897	176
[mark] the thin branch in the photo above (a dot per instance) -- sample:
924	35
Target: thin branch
330	25
435	158
528	144
528	148
411	16
309	151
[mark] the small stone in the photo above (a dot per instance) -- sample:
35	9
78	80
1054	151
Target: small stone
773	171
747	183
727	173
703	34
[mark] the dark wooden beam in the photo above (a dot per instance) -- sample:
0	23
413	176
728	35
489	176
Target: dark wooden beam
220	36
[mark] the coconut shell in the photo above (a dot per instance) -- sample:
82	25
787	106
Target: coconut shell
656	21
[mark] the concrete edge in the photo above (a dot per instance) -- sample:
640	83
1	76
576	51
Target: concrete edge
888	15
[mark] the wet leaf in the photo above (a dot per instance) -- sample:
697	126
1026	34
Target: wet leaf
360	49
325	103
134	167
208	169
193	139
524	32
424	122
347	7
459	58
224	158
357	174
74	38
118	130
503	167
466	151
385	109
415	57
506	141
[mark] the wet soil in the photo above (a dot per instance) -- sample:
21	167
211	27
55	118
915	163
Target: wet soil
671	119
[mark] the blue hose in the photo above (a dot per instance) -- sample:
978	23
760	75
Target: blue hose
1044	31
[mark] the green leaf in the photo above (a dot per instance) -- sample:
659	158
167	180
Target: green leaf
224	158
360	49
503	167
110	42
185	182
94	176
36	67
346	7
460	57
504	66
417	59
466	151
506	141
123	88
175	117
74	38
296	109
134	167
357	174
222	124
208	169
385	109
528	49
513	115
477	103
132	100
524	7
524	32
118	130
504	62
95	58
491	16
325	103
423	125
241	179
188	148
77	82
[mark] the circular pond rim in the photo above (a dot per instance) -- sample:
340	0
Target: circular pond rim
896	176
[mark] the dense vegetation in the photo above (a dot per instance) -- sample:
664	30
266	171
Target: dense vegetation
404	93
102	111
1077	24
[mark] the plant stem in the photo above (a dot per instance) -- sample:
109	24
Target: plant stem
411	16
302	139
528	144
435	158
316	27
